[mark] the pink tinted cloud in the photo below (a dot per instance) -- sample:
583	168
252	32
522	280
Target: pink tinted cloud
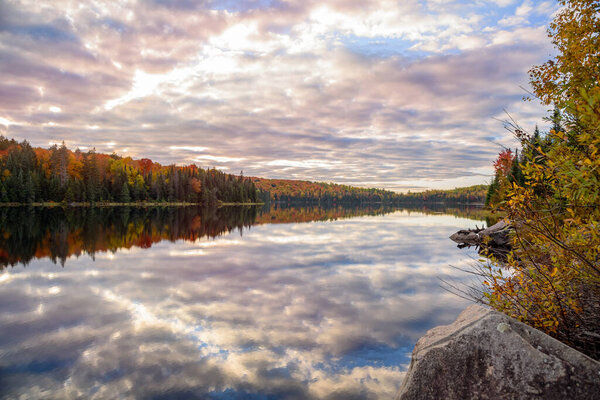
257	85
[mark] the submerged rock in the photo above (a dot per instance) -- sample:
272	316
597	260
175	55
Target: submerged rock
487	355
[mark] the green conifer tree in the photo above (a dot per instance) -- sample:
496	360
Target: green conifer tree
124	196
28	190
69	194
3	194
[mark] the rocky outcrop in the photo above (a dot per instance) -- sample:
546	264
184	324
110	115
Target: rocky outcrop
495	235
487	355
494	240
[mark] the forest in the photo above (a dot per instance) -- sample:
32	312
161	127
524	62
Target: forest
36	175
298	191
470	195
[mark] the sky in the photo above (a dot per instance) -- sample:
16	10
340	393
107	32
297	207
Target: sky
402	95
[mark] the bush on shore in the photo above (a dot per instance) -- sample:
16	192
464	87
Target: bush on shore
553	282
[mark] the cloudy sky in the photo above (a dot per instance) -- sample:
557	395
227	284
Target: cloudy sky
394	94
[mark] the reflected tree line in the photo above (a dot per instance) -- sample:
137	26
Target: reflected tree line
475	213
57	233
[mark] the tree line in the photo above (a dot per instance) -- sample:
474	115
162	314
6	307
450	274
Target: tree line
328	194
29	175
473	195
57	174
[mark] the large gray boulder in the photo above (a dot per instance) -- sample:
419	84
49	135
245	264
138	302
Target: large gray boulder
486	355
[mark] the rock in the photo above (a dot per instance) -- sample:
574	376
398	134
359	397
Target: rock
495	235
498	226
492	241
498	234
486	355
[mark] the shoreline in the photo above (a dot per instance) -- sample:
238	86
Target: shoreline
133	204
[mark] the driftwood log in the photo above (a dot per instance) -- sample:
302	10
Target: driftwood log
494	240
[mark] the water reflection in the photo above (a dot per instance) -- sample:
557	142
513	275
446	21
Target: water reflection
58	233
319	310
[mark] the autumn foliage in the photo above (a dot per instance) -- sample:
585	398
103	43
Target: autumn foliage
553	282
58	174
507	170
289	191
297	191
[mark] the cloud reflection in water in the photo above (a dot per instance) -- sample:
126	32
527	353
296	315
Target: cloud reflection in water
314	310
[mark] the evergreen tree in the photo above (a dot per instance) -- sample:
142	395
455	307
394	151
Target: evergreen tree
3	194
59	160
124	196
139	192
28	190
18	188
492	192
69	195
516	174
54	189
91	176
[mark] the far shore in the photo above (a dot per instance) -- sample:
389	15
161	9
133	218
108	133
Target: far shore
131	204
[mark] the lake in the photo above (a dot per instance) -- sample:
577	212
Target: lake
234	303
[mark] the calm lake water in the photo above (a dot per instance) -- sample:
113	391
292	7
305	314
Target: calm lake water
237	303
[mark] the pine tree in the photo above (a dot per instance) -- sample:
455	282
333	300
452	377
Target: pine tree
18	187
59	161
492	192
69	194
3	194
124	197
29	190
516	174
91	176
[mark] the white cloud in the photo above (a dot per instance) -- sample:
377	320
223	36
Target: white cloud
196	149
6	122
357	92
324	164
224	159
